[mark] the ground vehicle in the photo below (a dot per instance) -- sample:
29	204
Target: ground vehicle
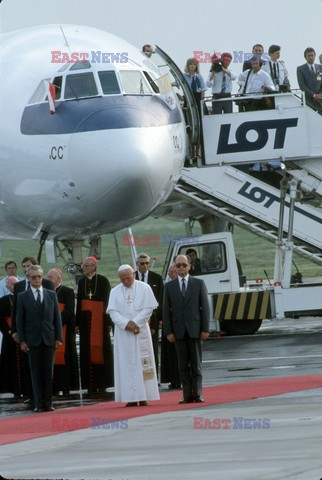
238	306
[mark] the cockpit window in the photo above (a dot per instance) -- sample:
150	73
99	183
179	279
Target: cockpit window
41	91
152	83
134	82
109	83
58	84
80	85
80	66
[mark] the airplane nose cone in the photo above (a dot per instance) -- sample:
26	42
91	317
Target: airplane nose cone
123	174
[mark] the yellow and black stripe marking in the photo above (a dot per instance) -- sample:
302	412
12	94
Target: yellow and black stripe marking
242	306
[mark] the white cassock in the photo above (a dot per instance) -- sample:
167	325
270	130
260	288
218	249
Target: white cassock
134	367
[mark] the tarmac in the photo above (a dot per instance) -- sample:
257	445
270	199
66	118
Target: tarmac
286	444
258	434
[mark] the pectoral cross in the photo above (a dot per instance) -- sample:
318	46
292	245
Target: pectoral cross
90	295
129	300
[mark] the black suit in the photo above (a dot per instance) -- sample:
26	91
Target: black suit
186	317
310	84
156	283
39	326
18	288
21	287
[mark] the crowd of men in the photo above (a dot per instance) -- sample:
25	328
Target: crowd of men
39	322
261	74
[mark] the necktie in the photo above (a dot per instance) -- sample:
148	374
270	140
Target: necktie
38	297
27	284
312	71
142	277
194	84
223	85
274	68
183	287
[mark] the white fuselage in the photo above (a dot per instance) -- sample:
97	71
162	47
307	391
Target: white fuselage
100	162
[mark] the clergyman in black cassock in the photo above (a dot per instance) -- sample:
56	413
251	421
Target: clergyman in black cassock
66	376
96	355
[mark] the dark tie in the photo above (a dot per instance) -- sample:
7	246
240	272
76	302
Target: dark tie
142	277
194	85
183	287
274	68
38	297
312	71
223	85
27	284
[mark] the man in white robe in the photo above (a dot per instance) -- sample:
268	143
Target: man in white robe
130	306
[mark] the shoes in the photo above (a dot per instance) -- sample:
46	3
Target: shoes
174	386
37	410
48	409
199	399
132	404
186	400
143	403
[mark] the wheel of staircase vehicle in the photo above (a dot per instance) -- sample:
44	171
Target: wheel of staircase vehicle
240	327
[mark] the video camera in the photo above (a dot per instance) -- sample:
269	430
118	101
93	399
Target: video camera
216	64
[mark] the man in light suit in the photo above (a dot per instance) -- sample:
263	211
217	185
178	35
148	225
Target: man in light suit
309	77
186	318
39	329
155	281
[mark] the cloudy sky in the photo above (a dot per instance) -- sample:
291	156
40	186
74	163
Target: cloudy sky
182	26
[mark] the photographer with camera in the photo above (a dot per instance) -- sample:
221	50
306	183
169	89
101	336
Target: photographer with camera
255	82
277	70
220	80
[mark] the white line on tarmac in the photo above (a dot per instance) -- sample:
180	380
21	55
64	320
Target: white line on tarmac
253	359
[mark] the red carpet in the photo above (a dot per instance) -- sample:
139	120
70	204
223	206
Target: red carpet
17	429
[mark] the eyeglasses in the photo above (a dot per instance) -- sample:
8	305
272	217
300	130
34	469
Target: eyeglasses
83	266
184	265
144	263
35	276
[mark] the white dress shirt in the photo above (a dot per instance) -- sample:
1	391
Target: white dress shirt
35	292
186	279
216	83
256	82
281	70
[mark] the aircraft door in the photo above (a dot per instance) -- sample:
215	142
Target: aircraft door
192	116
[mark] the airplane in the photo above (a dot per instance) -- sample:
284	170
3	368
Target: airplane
92	135
94	139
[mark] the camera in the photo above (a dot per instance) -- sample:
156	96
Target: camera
216	64
284	88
